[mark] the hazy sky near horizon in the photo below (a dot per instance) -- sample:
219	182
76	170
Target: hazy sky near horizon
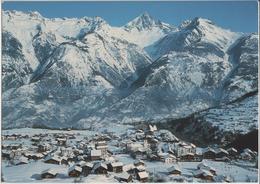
240	16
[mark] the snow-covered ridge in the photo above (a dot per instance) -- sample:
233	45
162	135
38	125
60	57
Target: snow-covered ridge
81	71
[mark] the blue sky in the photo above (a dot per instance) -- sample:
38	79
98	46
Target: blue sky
238	16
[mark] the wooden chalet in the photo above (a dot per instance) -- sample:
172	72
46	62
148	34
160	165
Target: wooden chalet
174	170
142	176
86	168
95	154
100	168
124	177
209	153
74	171
49	173
116	167
52	159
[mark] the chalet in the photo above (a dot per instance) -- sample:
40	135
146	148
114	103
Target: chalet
220	153
86	168
154	157
52	160
183	148
35	139
64	160
95	154
49	173
66	151
80	163
102	146
222	159
75	171
61	141
203	174
137	169
21	160
15	153
142	176
34	156
133	146
166	157
232	152
204	166
198	157
11	138
43	147
116	167
174	170
209	153
100	168
15	146
80	158
71	158
246	156
169	158
124	177
188	157
139	163
5	154
140	153
247	150
153	143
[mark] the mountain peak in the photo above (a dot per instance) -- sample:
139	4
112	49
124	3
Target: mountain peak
197	22
146	22
142	22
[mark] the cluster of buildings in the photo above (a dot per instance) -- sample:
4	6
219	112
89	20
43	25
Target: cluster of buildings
96	154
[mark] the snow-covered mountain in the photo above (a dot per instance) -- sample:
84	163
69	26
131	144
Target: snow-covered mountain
75	72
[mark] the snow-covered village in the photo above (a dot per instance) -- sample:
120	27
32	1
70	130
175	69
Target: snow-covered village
129	91
136	155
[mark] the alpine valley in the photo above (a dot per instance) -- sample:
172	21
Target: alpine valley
197	79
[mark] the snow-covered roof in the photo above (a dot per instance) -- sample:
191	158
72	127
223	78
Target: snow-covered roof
204	166
232	149
174	168
76	168
52	157
209	149
117	164
202	172
95	152
124	175
101	146
219	150
143	174
138	162
22	159
140	168
207	173
100	164
81	163
248	151
50	171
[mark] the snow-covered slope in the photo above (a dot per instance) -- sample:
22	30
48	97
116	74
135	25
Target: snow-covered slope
199	36
69	72
218	125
